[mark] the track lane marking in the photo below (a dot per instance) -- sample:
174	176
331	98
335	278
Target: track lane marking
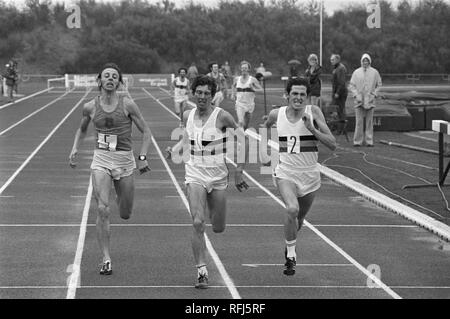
74	278
186	225
24	98
30	157
33	113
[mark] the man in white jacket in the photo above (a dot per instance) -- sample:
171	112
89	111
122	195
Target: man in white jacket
364	86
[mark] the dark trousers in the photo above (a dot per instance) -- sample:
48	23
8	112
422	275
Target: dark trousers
340	102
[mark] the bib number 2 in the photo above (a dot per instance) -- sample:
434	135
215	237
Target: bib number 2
294	144
107	142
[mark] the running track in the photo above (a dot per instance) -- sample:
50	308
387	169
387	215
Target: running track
48	247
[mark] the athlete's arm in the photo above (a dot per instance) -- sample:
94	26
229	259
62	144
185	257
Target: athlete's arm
233	88
228	122
137	118
173	85
188	88
271	119
88	109
256	86
323	133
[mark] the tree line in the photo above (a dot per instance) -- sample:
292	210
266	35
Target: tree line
159	38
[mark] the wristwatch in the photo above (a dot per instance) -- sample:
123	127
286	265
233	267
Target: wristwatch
142	157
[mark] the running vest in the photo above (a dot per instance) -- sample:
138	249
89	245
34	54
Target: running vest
181	89
207	143
113	129
297	145
245	94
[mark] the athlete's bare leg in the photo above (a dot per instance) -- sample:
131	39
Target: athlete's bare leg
288	192
217	205
247	118
304	204
125	195
197	206
182	108
102	187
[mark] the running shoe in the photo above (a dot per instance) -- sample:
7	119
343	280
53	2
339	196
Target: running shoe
106	268
202	282
290	267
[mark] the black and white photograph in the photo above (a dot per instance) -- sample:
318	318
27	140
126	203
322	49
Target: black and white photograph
225	158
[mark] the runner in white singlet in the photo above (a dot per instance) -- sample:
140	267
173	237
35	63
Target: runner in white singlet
206	170
180	87
244	88
300	128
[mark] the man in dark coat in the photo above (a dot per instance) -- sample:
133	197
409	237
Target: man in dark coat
339	92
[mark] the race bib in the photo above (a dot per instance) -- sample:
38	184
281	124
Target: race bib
107	142
293	144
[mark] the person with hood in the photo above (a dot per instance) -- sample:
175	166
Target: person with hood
364	86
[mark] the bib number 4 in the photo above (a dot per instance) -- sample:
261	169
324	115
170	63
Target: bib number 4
107	142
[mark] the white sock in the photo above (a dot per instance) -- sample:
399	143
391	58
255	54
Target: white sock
201	269
290	245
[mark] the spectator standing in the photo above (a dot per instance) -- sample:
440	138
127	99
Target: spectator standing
364	86
313	73
11	77
339	87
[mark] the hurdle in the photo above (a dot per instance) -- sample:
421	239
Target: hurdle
442	127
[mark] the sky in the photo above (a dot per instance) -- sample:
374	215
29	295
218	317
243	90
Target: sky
330	5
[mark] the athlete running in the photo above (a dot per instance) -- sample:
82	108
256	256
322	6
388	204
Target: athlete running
244	88
300	128
113	161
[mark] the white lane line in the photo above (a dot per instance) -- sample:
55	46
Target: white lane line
228	281
189	225
74	279
371	276
368	226
299	265
221	286
41	145
422	137
35	112
24	98
136	225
